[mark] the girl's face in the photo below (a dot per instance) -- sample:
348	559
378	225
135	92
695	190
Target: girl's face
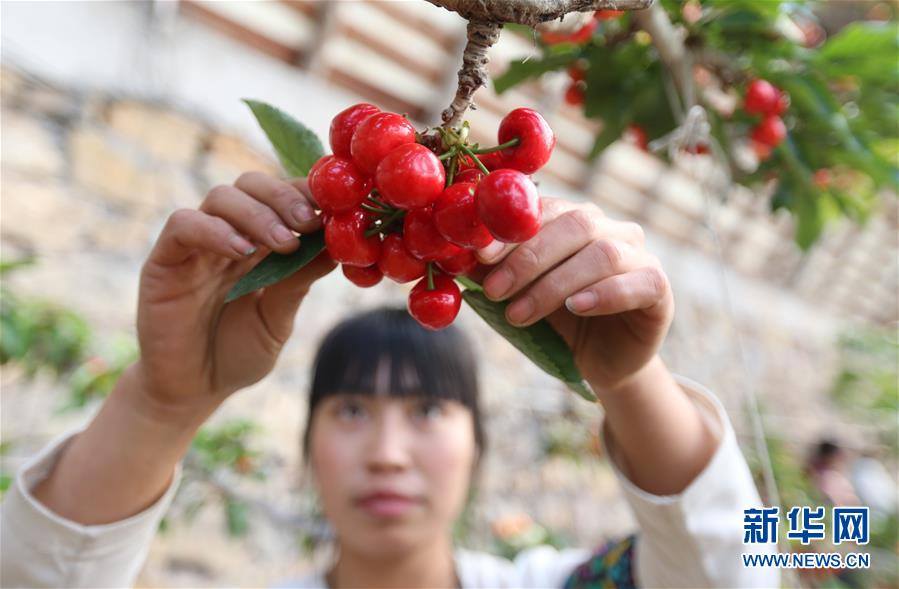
392	473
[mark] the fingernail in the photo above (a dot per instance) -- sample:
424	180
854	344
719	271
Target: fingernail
491	251
302	213
241	245
282	234
520	311
498	283
582	301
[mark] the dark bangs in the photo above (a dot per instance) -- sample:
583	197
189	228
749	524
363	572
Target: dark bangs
386	352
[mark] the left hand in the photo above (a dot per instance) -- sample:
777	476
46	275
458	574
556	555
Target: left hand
593	280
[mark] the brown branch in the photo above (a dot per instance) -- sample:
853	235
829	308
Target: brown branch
670	45
473	74
532	12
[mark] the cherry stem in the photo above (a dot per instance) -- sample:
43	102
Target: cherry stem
377	210
454	163
430	276
374	229
510	143
376	201
474	156
446	155
387	221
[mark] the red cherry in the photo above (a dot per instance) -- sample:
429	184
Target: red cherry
310	178
771	131
822	178
637	135
576	73
509	205
574	95
344	124
346	241
762	97
472	175
761	150
410	177
339	186
535	140
364	277
698	149
462	263
492	161
783	102
584	34
377	136
397	263
607	14
456	217
421	237
436	308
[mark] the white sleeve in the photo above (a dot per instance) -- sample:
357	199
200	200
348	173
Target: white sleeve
695	538
41	549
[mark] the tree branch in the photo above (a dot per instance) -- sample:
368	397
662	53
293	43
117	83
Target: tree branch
473	74
532	12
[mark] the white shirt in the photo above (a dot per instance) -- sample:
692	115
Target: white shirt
692	539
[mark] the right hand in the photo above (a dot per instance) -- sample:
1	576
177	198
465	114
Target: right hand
195	350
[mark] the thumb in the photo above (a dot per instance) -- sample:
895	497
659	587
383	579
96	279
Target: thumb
279	302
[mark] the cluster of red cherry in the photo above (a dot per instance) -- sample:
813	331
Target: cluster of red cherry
391	206
765	99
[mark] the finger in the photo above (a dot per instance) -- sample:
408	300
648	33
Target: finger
278	303
556	241
302	184
596	261
497	250
283	197
568	233
644	288
189	230
251	217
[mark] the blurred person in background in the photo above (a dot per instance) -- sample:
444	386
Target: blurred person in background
827	470
394	432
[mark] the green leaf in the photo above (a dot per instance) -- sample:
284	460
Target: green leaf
861	49
539	342
527	68
297	146
276	267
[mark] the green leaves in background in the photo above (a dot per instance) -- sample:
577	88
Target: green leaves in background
276	267
298	149
539	342
844	98
297	146
525	69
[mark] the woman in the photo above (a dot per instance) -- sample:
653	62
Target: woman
392	439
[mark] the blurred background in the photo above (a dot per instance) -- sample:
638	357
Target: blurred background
114	114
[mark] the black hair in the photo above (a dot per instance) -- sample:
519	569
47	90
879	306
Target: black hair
435	364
